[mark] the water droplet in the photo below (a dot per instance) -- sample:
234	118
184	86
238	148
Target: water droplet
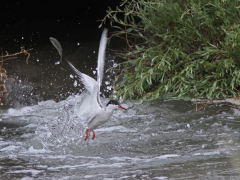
120	99
75	83
115	65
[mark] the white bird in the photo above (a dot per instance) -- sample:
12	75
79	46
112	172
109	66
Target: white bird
90	107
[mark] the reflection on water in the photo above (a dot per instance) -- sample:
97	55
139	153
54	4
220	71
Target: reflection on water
151	140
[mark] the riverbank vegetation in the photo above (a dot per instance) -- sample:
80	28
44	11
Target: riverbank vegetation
185	48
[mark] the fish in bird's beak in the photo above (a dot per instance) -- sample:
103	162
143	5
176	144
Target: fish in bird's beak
121	107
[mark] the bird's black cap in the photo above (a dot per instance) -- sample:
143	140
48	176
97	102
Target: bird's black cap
114	102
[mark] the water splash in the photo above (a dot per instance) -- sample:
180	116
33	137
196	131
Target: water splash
66	129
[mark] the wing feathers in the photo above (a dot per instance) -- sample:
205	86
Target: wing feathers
101	57
58	46
89	83
92	86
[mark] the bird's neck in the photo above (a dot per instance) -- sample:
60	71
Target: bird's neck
107	109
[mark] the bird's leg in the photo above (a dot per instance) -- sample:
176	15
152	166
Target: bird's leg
94	135
87	134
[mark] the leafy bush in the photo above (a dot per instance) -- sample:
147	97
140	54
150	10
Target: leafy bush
186	48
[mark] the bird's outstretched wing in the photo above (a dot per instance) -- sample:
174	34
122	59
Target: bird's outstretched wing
58	46
101	61
101	56
90	104
89	83
88	107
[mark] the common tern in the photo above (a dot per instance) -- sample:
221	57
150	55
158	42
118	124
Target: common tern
90	108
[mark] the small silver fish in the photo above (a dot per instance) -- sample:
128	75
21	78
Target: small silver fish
58	46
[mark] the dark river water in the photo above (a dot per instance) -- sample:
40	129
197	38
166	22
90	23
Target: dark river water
42	138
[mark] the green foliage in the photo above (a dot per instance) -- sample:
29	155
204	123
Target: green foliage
187	48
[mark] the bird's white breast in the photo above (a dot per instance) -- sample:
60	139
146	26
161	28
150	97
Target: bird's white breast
100	119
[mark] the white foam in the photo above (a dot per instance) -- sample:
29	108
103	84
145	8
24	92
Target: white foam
116	129
37	151
113	165
10	148
122	159
207	153
39	110
168	156
32	171
69	167
160	178
21	111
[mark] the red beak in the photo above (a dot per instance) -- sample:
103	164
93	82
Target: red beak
121	107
